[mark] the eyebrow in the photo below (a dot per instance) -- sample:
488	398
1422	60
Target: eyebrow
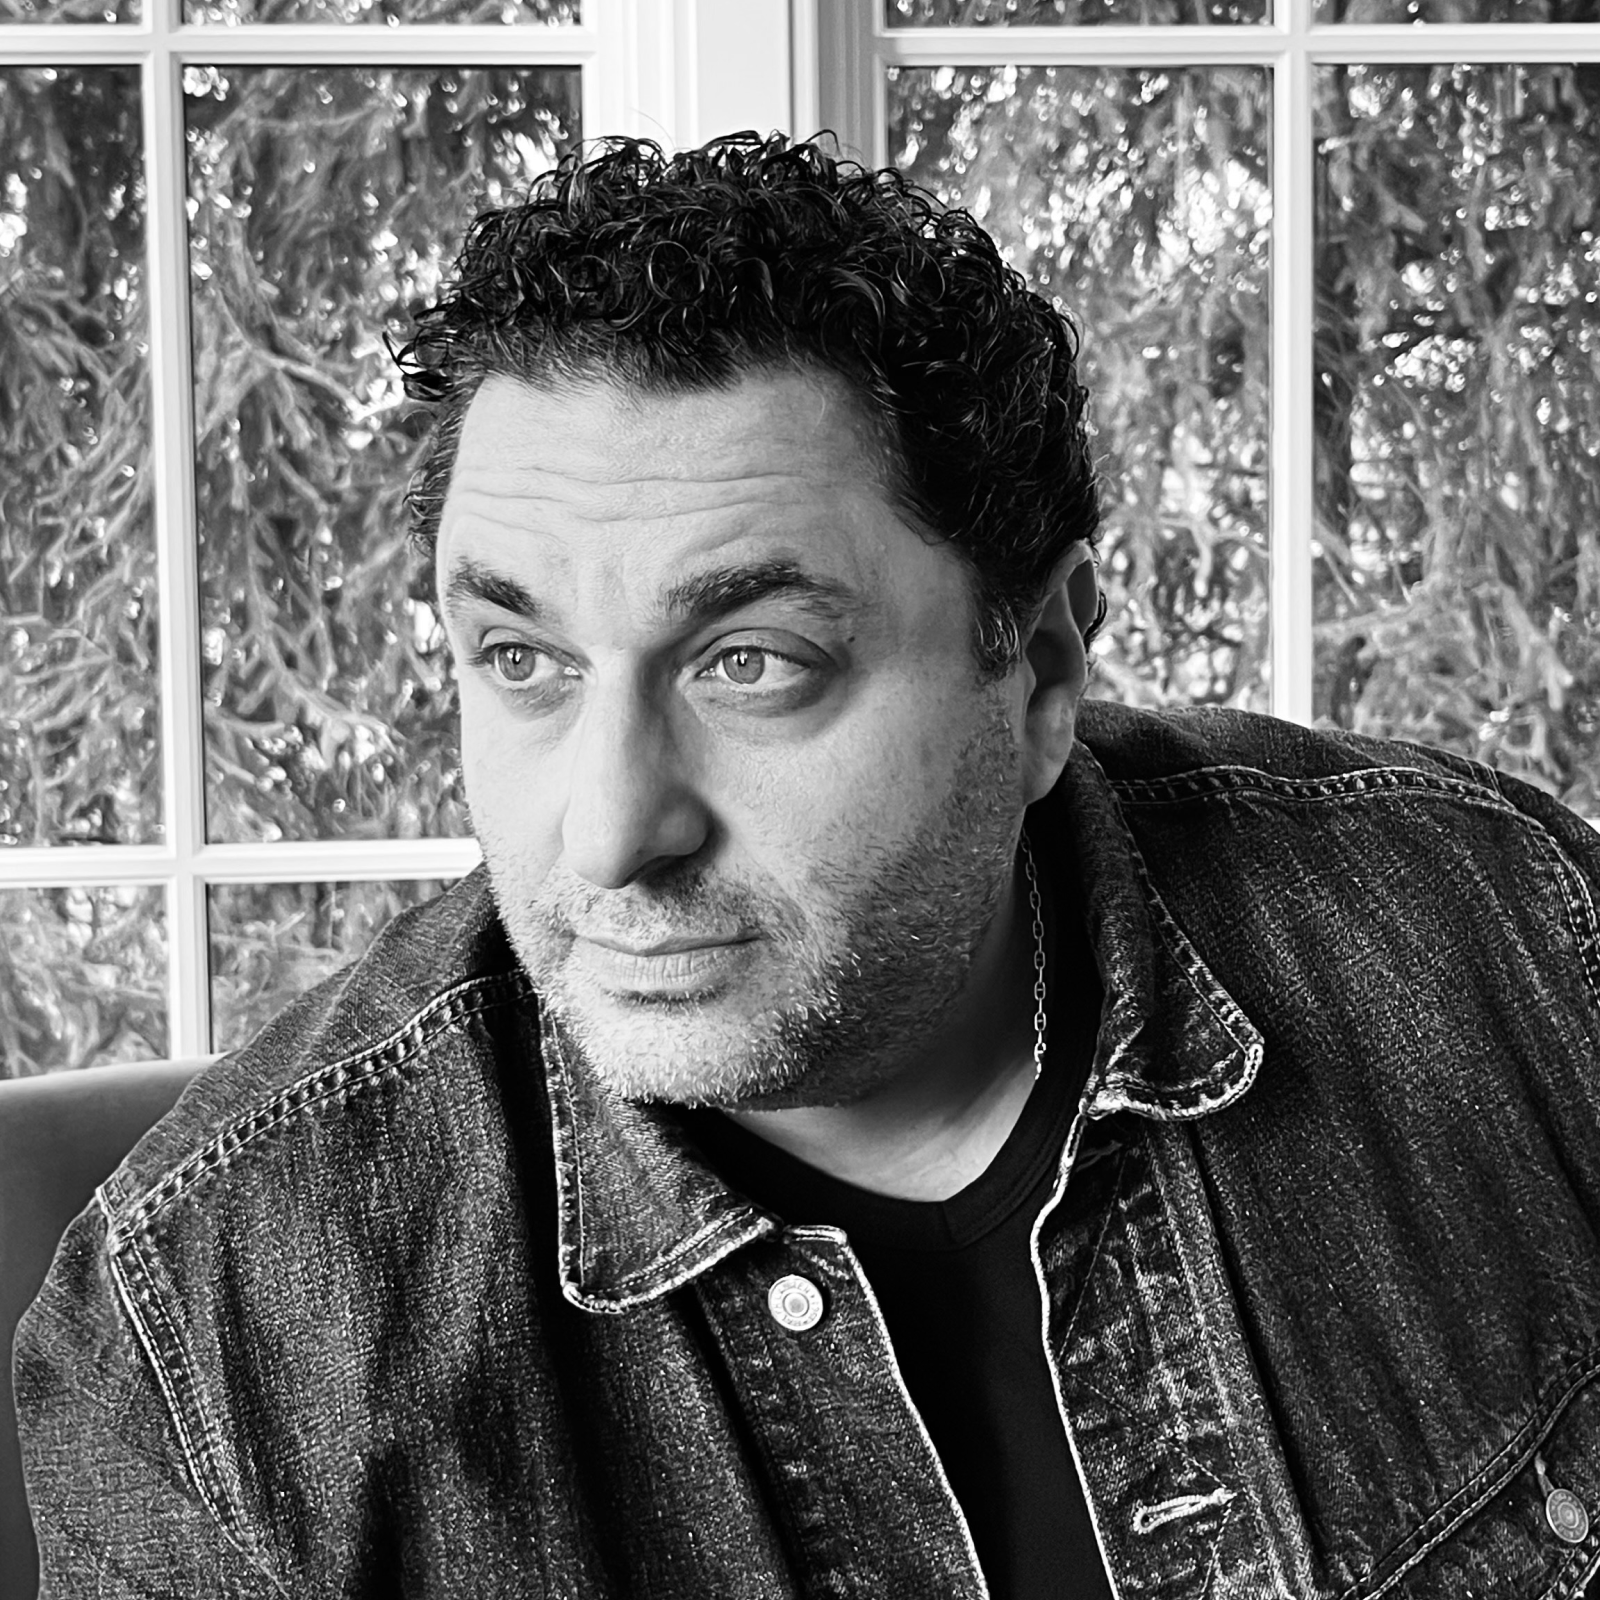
702	598
472	581
724	589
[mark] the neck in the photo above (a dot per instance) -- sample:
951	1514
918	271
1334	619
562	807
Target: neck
939	1121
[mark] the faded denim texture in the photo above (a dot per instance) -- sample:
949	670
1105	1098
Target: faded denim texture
385	1308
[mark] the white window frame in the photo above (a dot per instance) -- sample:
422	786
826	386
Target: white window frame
856	49
679	71
675	70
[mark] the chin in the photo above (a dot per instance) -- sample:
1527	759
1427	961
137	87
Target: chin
676	1052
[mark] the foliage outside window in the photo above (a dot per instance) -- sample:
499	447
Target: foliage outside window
1458	413
1457	357
1139	199
1456	569
323	203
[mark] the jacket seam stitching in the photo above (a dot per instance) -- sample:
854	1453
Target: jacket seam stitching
326	1082
1580	909
1082	1383
738	1237
1341	786
1497	1472
154	1330
662	1277
1099	1246
1574	1580
564	1152
1228	1413
1194	1098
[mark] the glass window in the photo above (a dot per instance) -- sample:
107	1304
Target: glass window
1139	198
272	941
80	741
307	680
382	13
1457	421
1447	11
322	203
1073	13
83	977
70	11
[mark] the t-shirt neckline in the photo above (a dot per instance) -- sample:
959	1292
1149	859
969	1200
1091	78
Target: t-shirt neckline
801	1193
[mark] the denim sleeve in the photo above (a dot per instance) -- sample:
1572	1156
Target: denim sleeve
1578	841
115	1506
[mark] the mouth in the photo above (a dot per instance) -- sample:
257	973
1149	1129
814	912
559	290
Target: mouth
680	967
667	947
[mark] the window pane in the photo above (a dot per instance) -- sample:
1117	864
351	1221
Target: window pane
382	13
69	11
79	718
324	202
1360	11
273	941
1139	198
83	978
1072	13
1458	413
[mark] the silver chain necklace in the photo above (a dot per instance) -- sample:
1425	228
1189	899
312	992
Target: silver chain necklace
1037	904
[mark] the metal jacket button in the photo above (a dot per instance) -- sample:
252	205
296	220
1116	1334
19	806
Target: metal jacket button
1563	1510
795	1302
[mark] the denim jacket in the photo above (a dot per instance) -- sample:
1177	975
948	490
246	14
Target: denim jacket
394	1302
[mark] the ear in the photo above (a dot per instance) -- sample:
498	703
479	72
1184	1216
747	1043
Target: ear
1055	670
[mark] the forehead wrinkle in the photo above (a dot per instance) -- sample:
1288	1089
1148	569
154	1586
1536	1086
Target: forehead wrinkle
731	517
631	499
659	420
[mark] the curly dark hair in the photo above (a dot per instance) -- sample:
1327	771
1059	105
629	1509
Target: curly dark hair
685	272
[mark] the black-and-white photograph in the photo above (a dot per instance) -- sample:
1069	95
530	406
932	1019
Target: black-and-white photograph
799	799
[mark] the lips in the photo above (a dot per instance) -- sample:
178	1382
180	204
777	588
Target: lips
665	947
681	965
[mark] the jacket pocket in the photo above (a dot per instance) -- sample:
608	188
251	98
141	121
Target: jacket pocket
1535	1533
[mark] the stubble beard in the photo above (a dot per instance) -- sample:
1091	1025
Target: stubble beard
833	1000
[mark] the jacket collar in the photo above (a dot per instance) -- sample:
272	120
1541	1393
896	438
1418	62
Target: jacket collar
1173	1042
641	1214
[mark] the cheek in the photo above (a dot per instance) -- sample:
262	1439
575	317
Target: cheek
860	791
508	792
482	751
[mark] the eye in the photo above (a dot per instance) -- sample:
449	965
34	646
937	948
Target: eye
747	665
512	663
744	665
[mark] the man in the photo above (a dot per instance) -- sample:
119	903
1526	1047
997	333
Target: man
881	1124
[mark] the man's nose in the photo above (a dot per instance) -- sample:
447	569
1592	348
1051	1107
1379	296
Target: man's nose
631	800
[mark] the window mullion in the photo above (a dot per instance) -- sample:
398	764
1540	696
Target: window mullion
850	70
805	66
630	83
416	44
1292	498
172	444
1086	46
335	860
1444	42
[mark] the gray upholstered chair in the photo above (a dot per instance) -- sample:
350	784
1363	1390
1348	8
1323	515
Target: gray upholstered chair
61	1137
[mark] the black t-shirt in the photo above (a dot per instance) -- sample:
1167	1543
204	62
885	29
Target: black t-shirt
955	1281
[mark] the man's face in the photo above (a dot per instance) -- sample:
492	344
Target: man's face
747	810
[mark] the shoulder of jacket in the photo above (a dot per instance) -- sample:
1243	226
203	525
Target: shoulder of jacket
1136	746
1182	773
427	973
